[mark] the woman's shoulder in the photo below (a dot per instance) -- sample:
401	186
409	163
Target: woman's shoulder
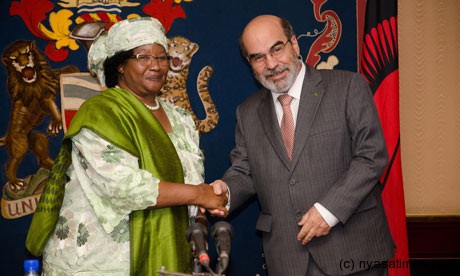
178	114
174	108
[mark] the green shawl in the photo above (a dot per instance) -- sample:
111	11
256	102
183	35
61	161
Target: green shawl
157	237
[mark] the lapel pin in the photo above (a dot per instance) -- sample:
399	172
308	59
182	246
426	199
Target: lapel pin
315	94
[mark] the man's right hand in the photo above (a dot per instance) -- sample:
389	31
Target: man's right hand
220	188
213	202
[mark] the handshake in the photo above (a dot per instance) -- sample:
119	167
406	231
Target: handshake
214	198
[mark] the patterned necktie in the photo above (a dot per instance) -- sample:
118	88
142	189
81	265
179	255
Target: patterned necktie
287	123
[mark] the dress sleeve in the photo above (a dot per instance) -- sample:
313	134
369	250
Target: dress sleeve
187	142
111	179
195	170
195	156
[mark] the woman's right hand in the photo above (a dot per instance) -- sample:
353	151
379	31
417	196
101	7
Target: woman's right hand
215	203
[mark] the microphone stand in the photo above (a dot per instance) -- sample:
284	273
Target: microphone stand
164	272
199	222
201	219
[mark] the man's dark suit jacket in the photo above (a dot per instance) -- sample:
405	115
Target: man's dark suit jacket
339	154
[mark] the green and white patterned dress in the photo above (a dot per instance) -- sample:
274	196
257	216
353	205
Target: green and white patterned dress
105	186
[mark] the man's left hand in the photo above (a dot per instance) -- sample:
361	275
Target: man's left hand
313	225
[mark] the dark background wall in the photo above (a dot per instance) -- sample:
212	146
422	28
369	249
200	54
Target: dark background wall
215	26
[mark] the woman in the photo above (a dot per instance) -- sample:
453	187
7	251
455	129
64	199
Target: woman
125	156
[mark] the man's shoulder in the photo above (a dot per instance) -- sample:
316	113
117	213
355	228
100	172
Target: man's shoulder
336	73
338	78
255	98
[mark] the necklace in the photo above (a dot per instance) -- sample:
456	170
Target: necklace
153	108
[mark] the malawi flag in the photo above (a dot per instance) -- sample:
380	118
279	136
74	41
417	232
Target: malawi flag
379	65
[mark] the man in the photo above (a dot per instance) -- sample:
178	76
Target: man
321	207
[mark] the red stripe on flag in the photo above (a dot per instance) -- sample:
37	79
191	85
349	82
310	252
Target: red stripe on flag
393	199
379	65
387	101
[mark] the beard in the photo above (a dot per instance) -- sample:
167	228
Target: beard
280	85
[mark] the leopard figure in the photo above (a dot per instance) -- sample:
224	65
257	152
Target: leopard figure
181	51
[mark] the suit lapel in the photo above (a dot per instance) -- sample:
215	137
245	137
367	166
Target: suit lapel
269	122
312	93
310	98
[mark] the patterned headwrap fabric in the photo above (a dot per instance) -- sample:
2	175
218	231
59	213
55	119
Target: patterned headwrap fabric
123	36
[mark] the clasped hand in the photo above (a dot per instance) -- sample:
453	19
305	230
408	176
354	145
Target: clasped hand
312	225
215	203
218	188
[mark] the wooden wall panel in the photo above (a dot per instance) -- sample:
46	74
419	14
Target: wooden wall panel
429	48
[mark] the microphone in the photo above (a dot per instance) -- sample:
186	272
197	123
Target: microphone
197	236
222	234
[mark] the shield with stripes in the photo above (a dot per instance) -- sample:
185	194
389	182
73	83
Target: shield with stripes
75	89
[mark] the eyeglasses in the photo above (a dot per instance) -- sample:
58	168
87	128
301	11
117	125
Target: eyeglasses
276	51
146	60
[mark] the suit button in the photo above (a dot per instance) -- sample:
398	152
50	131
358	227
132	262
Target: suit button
298	215
292	182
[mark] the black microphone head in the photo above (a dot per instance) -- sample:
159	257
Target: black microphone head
196	228
221	226
222	232
197	236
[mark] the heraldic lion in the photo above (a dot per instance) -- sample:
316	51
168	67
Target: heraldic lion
32	87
